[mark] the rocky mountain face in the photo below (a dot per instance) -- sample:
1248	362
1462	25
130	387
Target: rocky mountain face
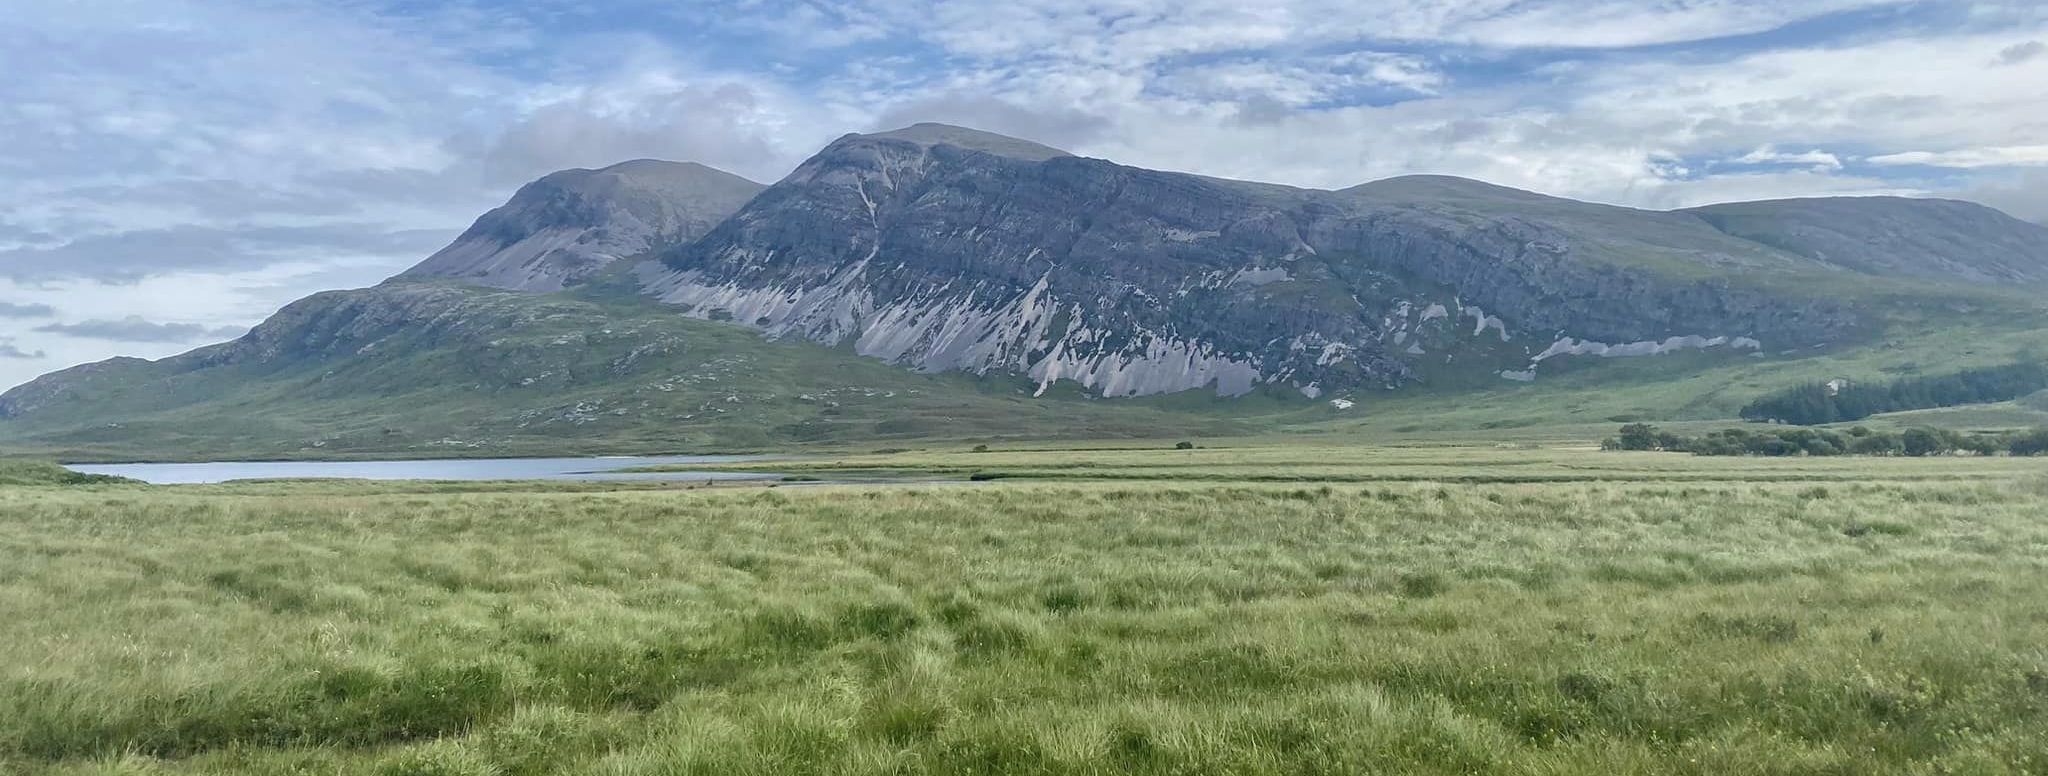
561	228
953	250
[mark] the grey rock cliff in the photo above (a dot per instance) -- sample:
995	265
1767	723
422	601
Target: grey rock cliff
941	249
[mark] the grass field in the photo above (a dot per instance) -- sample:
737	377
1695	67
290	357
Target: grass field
1420	610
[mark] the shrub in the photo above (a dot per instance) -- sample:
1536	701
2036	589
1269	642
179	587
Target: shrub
1821	403
1638	436
2033	442
1917	441
1923	442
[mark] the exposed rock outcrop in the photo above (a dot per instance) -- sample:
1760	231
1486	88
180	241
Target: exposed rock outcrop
941	249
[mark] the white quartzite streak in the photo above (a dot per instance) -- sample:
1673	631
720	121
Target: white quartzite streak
945	329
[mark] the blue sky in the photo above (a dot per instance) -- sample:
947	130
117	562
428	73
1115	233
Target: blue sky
178	169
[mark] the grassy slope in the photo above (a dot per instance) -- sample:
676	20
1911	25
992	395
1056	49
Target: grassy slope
1888	623
1584	398
724	389
543	377
28	472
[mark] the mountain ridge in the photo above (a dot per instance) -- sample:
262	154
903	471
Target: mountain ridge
940	249
933	134
1930	238
937	257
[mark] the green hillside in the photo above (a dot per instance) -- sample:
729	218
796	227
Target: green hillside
440	370
431	369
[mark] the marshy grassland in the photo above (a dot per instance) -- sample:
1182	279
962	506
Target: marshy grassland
1260	611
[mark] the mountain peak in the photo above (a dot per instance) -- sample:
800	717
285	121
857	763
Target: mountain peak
1443	187
570	224
934	134
646	173
656	165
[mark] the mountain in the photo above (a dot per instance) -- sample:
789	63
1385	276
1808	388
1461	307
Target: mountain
1894	236
635	300
1129	281
561	228
436	369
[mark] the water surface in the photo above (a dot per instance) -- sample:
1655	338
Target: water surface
471	469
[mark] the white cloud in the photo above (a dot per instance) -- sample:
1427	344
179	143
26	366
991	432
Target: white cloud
1970	158
1625	24
651	103
1302	82
1770	155
1126	32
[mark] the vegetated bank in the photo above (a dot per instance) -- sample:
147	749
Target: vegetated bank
1820	403
1917	442
34	472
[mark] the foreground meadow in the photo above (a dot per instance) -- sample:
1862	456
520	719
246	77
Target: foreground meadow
1665	615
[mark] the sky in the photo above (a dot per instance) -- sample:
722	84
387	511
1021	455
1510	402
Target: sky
173	171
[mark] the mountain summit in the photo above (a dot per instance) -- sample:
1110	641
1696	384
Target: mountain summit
563	227
929	134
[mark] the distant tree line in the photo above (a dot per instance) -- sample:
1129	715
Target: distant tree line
1913	442
1816	404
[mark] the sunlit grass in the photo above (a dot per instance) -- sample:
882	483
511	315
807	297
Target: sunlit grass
1237	461
1877	624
